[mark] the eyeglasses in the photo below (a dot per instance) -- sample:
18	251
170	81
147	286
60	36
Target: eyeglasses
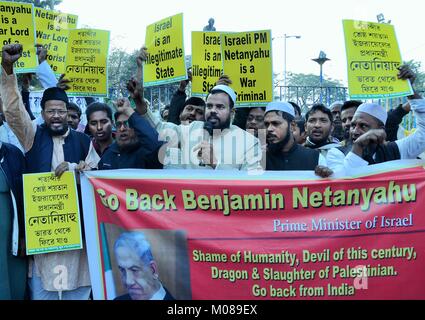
59	112
119	124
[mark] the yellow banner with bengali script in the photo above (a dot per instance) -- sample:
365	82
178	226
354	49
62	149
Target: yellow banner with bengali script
373	59
87	62
52	213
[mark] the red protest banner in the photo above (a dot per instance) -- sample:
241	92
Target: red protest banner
261	237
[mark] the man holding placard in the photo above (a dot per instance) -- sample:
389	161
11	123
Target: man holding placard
203	145
50	147
369	137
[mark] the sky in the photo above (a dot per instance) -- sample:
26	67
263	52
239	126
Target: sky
319	23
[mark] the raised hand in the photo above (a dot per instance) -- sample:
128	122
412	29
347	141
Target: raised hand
41	53
10	54
63	83
185	83
135	90
405	73
370	139
124	106
142	56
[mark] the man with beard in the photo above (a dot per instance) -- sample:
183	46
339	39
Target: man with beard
283	153
369	137
207	145
50	147
200	145
136	142
369	128
394	118
337	131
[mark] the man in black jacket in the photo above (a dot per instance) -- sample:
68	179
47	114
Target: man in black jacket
136	142
283	153
50	147
183	110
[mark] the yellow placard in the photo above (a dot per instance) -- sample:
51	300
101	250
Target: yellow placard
207	62
52	215
373	56
166	60
17	26
52	30
247	60
87	62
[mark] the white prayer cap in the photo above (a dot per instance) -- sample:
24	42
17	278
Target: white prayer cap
336	104
281	106
374	110
226	89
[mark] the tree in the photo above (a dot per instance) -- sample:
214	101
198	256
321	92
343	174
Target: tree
420	76
305	90
122	67
48	4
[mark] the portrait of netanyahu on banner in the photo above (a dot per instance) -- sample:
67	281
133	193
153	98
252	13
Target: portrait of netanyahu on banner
147	265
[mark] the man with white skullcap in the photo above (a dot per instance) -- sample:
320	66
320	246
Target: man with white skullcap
369	137
283	153
214	144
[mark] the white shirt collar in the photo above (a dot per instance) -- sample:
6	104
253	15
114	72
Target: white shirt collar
159	295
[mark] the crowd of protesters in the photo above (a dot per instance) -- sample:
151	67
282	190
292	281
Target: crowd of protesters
210	134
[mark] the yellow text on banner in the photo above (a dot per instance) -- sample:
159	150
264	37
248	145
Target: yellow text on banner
207	62
166	60
17	26
52	32
52	215
247	60
87	62
373	56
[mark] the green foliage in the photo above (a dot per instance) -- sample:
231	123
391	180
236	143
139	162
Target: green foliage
420	76
305	90
122	67
48	4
